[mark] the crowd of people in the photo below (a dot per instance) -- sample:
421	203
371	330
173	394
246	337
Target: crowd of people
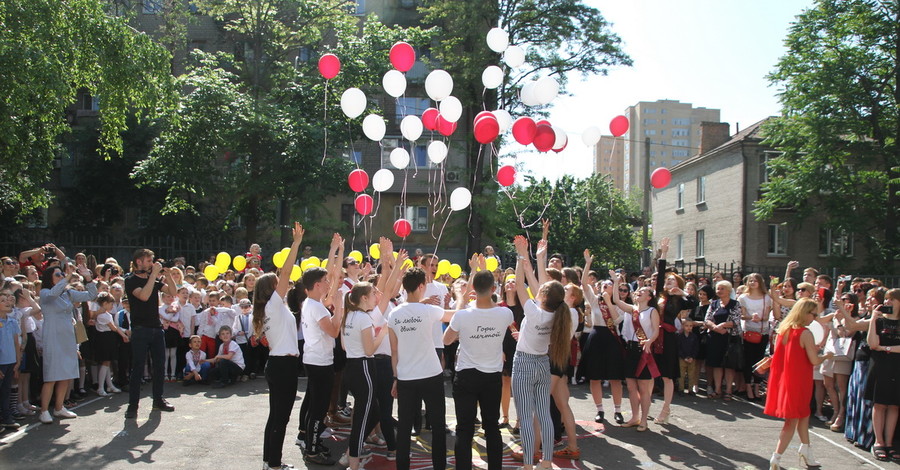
74	326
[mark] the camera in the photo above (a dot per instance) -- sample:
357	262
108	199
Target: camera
168	263
48	250
845	278
887	309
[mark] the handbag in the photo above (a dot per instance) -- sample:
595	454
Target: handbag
734	355
80	332
763	365
753	337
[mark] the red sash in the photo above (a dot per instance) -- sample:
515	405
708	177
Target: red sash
647	359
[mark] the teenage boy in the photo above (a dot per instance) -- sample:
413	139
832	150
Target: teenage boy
480	330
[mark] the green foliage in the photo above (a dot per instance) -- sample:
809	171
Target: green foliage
840	125
588	213
49	50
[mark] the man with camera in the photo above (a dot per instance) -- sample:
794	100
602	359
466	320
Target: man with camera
37	257
147	279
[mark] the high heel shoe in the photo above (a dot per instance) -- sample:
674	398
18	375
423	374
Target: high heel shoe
775	462
807	458
663	417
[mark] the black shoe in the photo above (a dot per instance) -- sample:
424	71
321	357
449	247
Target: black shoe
218	384
515	431
131	412
321	449
317	458
415	432
619	418
162	405
599	417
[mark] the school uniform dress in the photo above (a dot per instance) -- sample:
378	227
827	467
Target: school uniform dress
883	386
639	365
604	352
58	332
106	341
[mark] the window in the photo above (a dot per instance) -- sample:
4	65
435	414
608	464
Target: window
662	153
764	170
680	199
701	189
407	106
649	110
418	155
701	243
680	132
663	111
662	131
152	7
679	153
681	122
680	142
649	131
416	215
835	242
679	246
662	121
89	102
649	121
777	245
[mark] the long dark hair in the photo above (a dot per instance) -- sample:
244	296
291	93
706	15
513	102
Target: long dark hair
265	287
47	280
554	295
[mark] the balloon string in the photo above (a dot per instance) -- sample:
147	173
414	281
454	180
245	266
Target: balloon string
438	243
325	125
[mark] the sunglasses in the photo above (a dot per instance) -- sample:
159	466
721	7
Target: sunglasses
352	263
59	274
10	263
624	291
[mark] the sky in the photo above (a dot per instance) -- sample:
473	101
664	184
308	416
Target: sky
711	53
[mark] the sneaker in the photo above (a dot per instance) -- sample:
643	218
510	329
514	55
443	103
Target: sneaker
46	418
16	415
321	449
113	389
131	412
317	458
25	411
390	456
599	417
253	375
162	405
328	432
339	419
244	378
11	425
63	413
300	443
283	466
102	392
346	412
29	406
620	420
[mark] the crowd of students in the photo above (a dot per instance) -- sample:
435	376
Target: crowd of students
522	334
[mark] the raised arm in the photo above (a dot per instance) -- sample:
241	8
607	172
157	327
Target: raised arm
521	259
335	255
661	265
284	276
541	261
392	284
619	302
792	265
586	286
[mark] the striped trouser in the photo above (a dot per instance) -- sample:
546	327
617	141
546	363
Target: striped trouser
531	392
359	376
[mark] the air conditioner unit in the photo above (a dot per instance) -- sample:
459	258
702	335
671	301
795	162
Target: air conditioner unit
452	176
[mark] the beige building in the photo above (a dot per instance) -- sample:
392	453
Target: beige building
673	128
609	159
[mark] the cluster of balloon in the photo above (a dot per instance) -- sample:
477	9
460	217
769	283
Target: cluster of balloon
223	261
543	135
445	267
660	178
311	262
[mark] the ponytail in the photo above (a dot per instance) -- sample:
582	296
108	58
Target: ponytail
561	327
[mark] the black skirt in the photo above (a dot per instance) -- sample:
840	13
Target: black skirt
105	346
173	336
883	386
603	355
633	354
668	360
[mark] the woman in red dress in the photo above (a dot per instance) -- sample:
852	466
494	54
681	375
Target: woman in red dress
790	380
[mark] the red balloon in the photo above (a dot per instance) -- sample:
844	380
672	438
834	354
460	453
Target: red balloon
364	204
358	180
544	122
402	56
482	115
523	130
445	127
486	130
329	66
506	175
429	119
544	138
618	126
402	228
560	149
660	178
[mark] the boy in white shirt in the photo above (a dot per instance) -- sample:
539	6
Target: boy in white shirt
229	363
243	329
197	367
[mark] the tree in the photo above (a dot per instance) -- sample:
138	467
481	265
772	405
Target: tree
252	133
49	51
562	37
588	213
839	126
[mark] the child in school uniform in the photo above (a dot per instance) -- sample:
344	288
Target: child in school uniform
170	317
207	325
688	349
229	363
197	367
123	321
187	316
10	356
106	346
243	330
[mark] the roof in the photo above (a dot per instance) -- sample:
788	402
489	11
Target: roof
752	132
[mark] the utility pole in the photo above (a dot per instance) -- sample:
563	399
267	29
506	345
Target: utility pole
645	207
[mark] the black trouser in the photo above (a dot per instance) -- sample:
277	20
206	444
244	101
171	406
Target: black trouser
359	377
315	404
472	388
384	381
248	365
281	376
410	393
225	371
143	340
181	360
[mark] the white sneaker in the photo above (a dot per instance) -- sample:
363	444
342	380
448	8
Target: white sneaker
102	392
114	389
24	410
328	432
64	414
46	418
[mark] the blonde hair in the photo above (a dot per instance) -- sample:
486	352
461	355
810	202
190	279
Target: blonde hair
809	288
796	318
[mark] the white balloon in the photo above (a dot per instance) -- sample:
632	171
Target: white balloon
497	39
437	151
399	158
460	198
438	84
504	119
451	108
546	89
394	83
492	77
817	331
382	180
514	56
561	138
528	96
411	127
353	102
591	136
374	127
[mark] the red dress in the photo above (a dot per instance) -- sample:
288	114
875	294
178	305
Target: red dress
790	379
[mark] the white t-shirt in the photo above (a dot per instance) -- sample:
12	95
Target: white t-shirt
242	323
318	350
439	289
413	324
188	312
279	328
355	324
646	321
534	334
23	316
237	357
344	288
103	321
379	320
481	333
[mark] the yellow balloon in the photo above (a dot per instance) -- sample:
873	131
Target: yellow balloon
408	263
316	262
278	259
443	267
530	295
375	251
222	261
357	255
324	263
286	250
455	271
305	264
492	264
296	272
396	255
211	272
239	263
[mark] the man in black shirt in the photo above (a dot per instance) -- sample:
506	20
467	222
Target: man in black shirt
142	287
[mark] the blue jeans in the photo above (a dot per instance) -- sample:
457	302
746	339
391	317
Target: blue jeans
203	370
145	339
5	387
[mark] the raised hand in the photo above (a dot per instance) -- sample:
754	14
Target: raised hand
298	233
521	245
587	256
545	232
541	247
